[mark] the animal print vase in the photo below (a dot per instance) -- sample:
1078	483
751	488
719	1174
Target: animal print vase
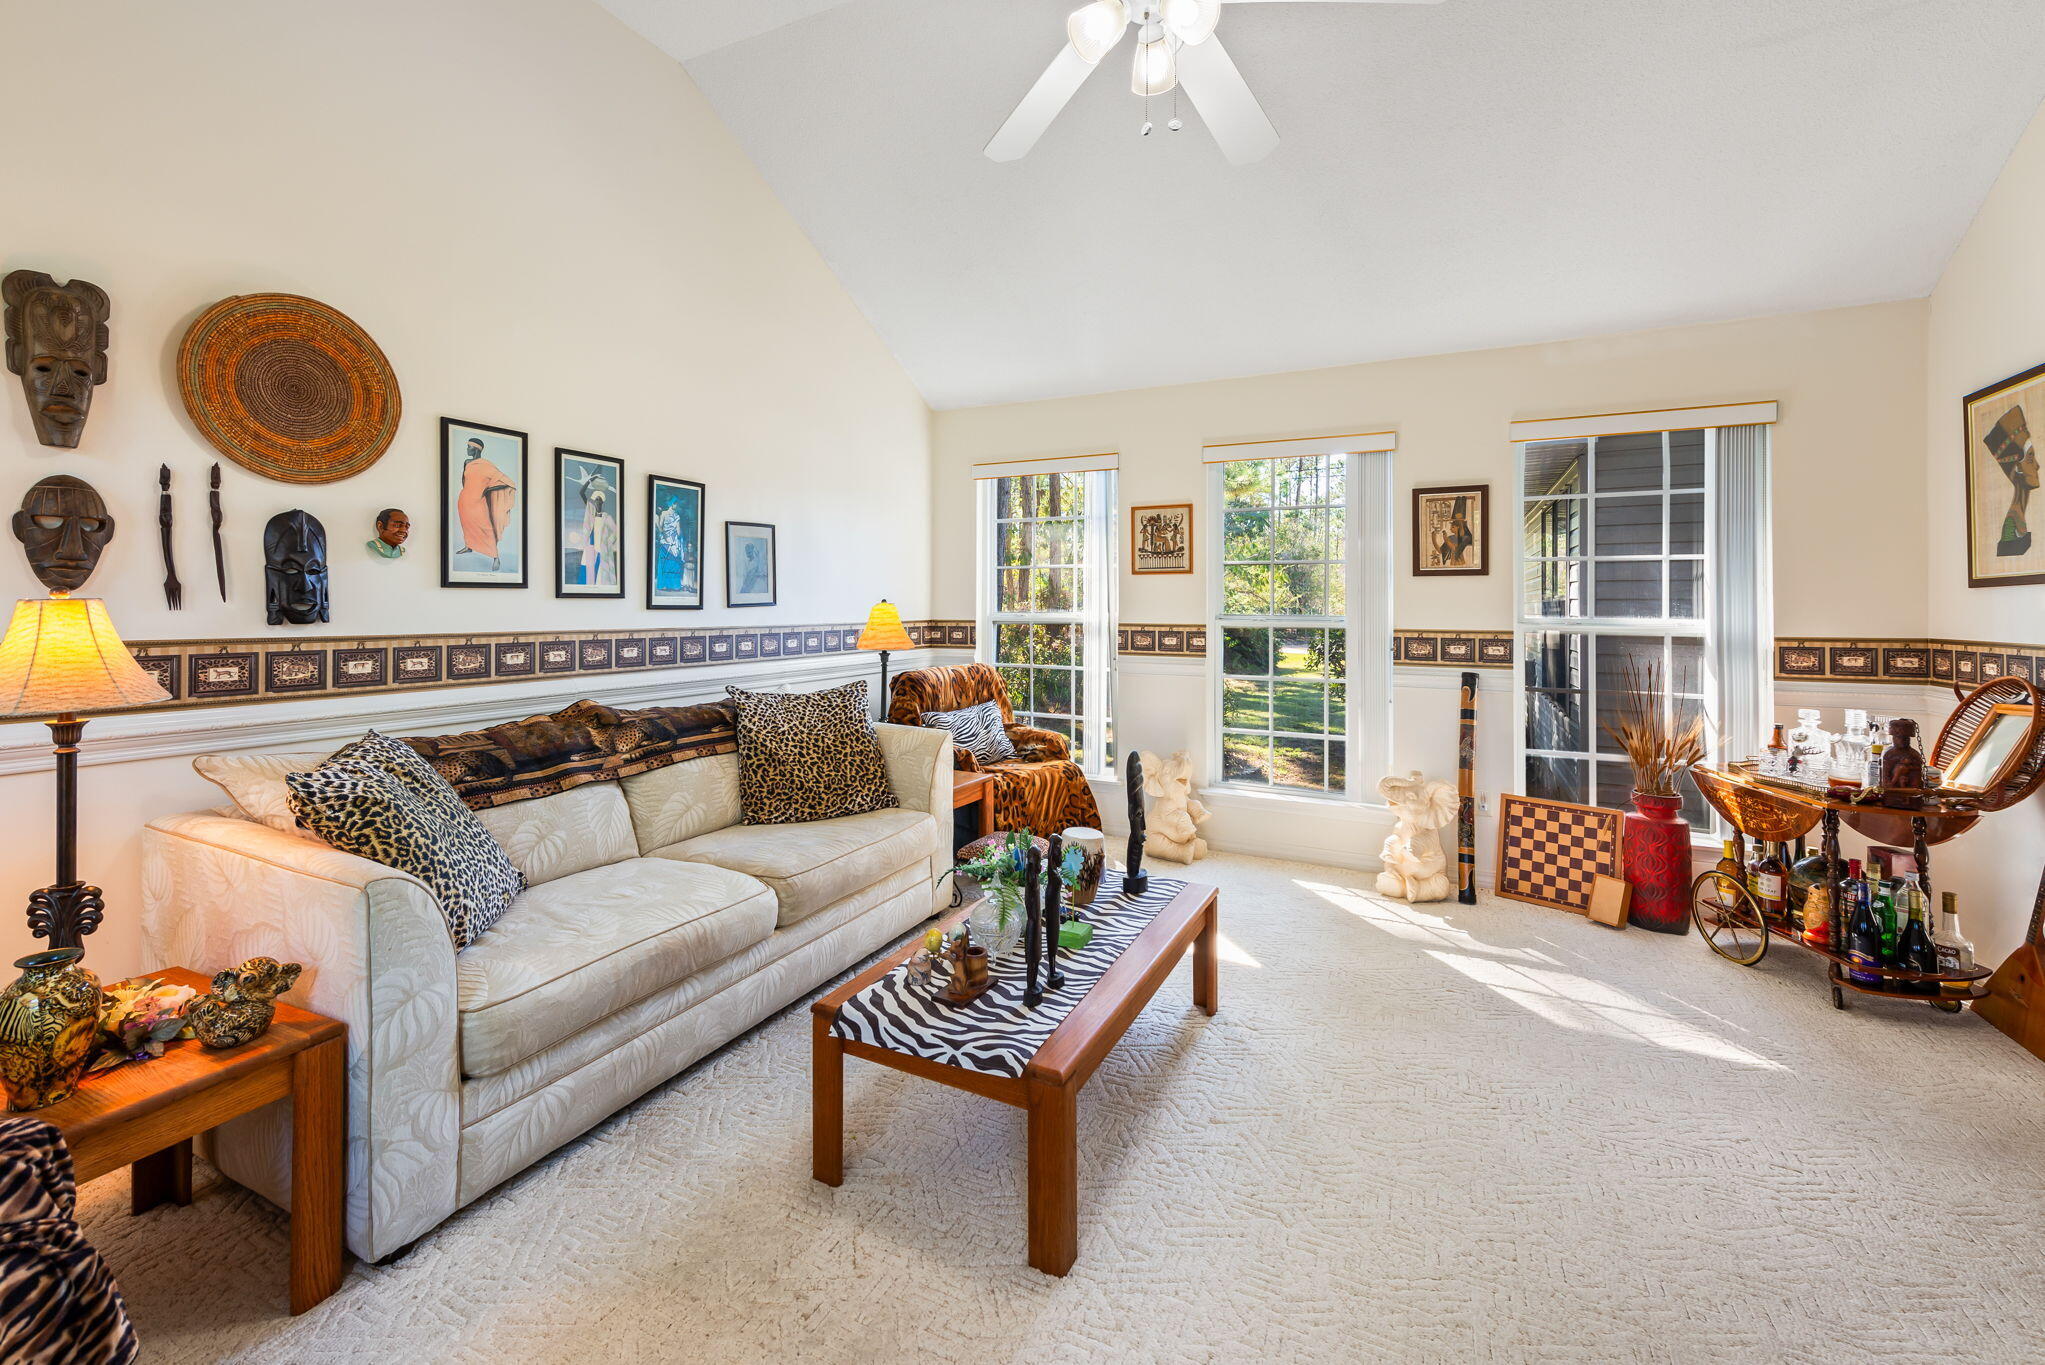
48	1019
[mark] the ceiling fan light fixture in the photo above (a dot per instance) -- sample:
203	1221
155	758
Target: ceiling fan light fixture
1095	28
1157	70
1192	21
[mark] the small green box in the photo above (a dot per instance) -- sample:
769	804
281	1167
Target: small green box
1074	934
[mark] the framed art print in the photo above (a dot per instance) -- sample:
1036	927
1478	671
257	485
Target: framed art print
589	525
2005	537
483	506
1452	531
1161	538
749	571
674	544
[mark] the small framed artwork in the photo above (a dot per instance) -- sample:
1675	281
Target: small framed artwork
674	544
1452	531
2005	540
749	573
589	534
1161	538
483	506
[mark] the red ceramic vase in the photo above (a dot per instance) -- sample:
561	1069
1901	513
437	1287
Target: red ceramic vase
1658	864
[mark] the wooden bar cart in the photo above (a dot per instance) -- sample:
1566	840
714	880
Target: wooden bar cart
1992	748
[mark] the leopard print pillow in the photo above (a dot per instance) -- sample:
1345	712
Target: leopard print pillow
808	756
394	817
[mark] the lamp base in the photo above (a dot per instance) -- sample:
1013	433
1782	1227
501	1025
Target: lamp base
65	914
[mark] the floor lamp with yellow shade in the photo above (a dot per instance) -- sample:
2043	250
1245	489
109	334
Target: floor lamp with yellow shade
60	658
884	632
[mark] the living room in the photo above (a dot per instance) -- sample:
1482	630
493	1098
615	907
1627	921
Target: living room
1348	412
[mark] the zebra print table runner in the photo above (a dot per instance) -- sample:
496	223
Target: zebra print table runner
996	1034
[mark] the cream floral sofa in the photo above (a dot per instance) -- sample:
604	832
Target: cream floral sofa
656	927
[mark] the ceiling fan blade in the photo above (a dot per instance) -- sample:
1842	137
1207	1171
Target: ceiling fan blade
1052	92
1225	103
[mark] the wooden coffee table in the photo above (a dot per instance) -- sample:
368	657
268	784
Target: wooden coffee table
1050	1084
144	1115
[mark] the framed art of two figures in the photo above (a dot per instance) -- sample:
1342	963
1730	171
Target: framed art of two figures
485	526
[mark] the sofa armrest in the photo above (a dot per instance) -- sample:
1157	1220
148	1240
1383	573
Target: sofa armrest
378	956
920	771
1038	746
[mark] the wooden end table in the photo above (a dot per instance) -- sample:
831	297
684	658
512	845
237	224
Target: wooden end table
144	1116
1049	1087
968	788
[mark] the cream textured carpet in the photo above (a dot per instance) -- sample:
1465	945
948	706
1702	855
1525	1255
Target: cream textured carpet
1436	1133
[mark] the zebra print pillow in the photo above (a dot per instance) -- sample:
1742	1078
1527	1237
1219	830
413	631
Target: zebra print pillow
393	815
977	730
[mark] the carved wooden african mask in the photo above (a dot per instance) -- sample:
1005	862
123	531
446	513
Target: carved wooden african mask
57	343
63	525
295	568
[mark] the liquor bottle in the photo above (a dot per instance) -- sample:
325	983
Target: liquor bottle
1730	864
1806	872
1915	952
1863	938
1775	759
1818	915
1772	882
1951	939
1872	778
1883	901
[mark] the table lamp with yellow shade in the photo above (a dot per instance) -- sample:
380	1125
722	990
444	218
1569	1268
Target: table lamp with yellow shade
884	632
61	658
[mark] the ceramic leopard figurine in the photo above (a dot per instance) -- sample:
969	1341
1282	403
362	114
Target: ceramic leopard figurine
242	1002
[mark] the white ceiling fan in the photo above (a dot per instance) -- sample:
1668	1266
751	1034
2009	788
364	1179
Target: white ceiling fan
1175	43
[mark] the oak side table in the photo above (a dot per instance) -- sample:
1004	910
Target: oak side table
144	1116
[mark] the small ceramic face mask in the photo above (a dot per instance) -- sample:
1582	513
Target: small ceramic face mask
63	525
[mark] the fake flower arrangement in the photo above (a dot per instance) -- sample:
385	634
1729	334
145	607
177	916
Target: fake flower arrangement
137	1020
1000	870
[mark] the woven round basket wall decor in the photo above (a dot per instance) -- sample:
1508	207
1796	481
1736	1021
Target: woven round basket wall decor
288	387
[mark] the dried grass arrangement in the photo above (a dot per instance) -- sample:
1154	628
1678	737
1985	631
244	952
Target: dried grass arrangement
1659	752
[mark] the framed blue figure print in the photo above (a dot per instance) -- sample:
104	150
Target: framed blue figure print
674	544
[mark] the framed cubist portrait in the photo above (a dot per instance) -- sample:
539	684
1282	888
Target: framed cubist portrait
749	573
2005	512
589	525
1161	538
674	543
483	506
1452	531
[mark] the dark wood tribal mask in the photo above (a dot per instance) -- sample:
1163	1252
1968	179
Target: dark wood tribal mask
63	525
57	343
295	568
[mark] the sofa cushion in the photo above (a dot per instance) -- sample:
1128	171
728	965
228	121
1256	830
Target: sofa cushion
805	756
684	801
584	946
398	818
568	832
976	729
256	782
811	865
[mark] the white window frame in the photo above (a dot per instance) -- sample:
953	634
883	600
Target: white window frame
1096	619
1736	620
1367	577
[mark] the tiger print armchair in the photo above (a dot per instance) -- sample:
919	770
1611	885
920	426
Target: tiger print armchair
1040	790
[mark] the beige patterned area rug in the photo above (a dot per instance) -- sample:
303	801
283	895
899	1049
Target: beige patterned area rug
1415	1134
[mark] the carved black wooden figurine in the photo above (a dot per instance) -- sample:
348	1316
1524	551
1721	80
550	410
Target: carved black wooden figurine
57	343
1135	881
173	591
1053	885
1033	925
63	525
295	568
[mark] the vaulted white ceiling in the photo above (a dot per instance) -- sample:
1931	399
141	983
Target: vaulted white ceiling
1470	174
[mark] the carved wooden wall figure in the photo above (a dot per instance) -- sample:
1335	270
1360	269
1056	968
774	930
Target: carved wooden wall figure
393	528
57	343
295	568
63	524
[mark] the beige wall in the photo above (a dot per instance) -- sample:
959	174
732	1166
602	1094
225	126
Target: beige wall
1987	322
545	227
1851	434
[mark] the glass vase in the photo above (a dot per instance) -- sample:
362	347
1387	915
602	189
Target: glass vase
997	920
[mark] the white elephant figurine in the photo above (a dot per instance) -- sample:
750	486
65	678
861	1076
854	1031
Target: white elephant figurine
1171	829
1416	867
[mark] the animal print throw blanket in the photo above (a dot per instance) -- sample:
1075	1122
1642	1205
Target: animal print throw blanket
582	743
59	1305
